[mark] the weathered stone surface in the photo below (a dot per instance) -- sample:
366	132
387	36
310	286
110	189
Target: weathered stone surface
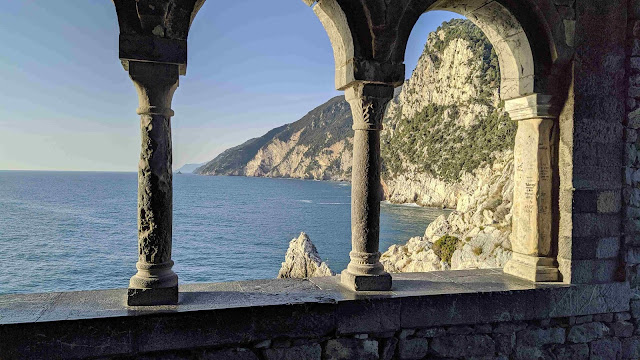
227	354
483	329
635	309
366	316
302	260
631	348
605	349
460	330
311	352
388	348
577	320
587	332
463	345
413	348
540	337
430	332
509	327
345	348
532	211
608	248
505	343
572	352
622	328
622	316
527	353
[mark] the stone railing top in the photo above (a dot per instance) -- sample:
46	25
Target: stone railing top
430	293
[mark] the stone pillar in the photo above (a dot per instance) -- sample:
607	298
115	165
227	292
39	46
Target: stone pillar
531	238
155	282
365	272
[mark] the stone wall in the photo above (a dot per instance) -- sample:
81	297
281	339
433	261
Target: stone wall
631	190
600	336
590	147
462	314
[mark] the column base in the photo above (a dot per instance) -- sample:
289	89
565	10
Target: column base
151	297
533	268
381	282
153	284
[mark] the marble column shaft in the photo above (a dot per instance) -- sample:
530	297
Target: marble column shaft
368	104
531	240
155	282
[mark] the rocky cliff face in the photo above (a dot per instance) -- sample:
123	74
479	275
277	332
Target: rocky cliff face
477	232
447	141
302	260
318	146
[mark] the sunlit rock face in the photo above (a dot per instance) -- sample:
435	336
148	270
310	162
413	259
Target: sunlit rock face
302	260
443	124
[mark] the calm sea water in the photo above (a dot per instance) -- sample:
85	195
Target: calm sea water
63	231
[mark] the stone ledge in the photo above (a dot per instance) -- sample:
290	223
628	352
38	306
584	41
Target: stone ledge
98	323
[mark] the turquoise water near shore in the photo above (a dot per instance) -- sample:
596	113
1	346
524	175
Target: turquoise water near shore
62	231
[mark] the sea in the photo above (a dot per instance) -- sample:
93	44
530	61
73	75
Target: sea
67	231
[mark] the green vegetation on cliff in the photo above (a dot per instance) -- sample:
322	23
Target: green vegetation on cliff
432	140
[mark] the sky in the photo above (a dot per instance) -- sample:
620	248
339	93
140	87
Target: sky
67	104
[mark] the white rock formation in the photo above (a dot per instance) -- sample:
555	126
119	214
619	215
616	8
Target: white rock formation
482	222
302	260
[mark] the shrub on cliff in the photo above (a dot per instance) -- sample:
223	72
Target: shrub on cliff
445	246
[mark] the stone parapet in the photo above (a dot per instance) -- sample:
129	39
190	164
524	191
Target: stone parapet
273	319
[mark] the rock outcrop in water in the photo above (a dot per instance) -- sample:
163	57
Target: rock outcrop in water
302	260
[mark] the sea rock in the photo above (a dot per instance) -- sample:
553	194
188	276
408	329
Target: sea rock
302	260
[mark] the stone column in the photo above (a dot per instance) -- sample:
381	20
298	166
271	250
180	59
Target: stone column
531	238
155	282
365	272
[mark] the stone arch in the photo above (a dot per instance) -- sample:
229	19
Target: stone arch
369	40
508	39
533	47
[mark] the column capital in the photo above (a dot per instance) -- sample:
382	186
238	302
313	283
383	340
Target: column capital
531	106
368	104
155	84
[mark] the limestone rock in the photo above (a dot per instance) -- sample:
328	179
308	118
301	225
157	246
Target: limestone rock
482	221
302	260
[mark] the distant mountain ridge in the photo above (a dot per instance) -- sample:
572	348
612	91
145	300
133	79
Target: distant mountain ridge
318	146
188	168
446	121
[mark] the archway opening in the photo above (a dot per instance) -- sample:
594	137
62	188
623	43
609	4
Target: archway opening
448	143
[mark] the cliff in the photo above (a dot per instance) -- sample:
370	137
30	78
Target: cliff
447	142
318	146
444	124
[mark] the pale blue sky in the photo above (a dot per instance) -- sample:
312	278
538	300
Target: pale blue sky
67	104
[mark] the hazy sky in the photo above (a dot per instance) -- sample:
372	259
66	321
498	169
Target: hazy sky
67	104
